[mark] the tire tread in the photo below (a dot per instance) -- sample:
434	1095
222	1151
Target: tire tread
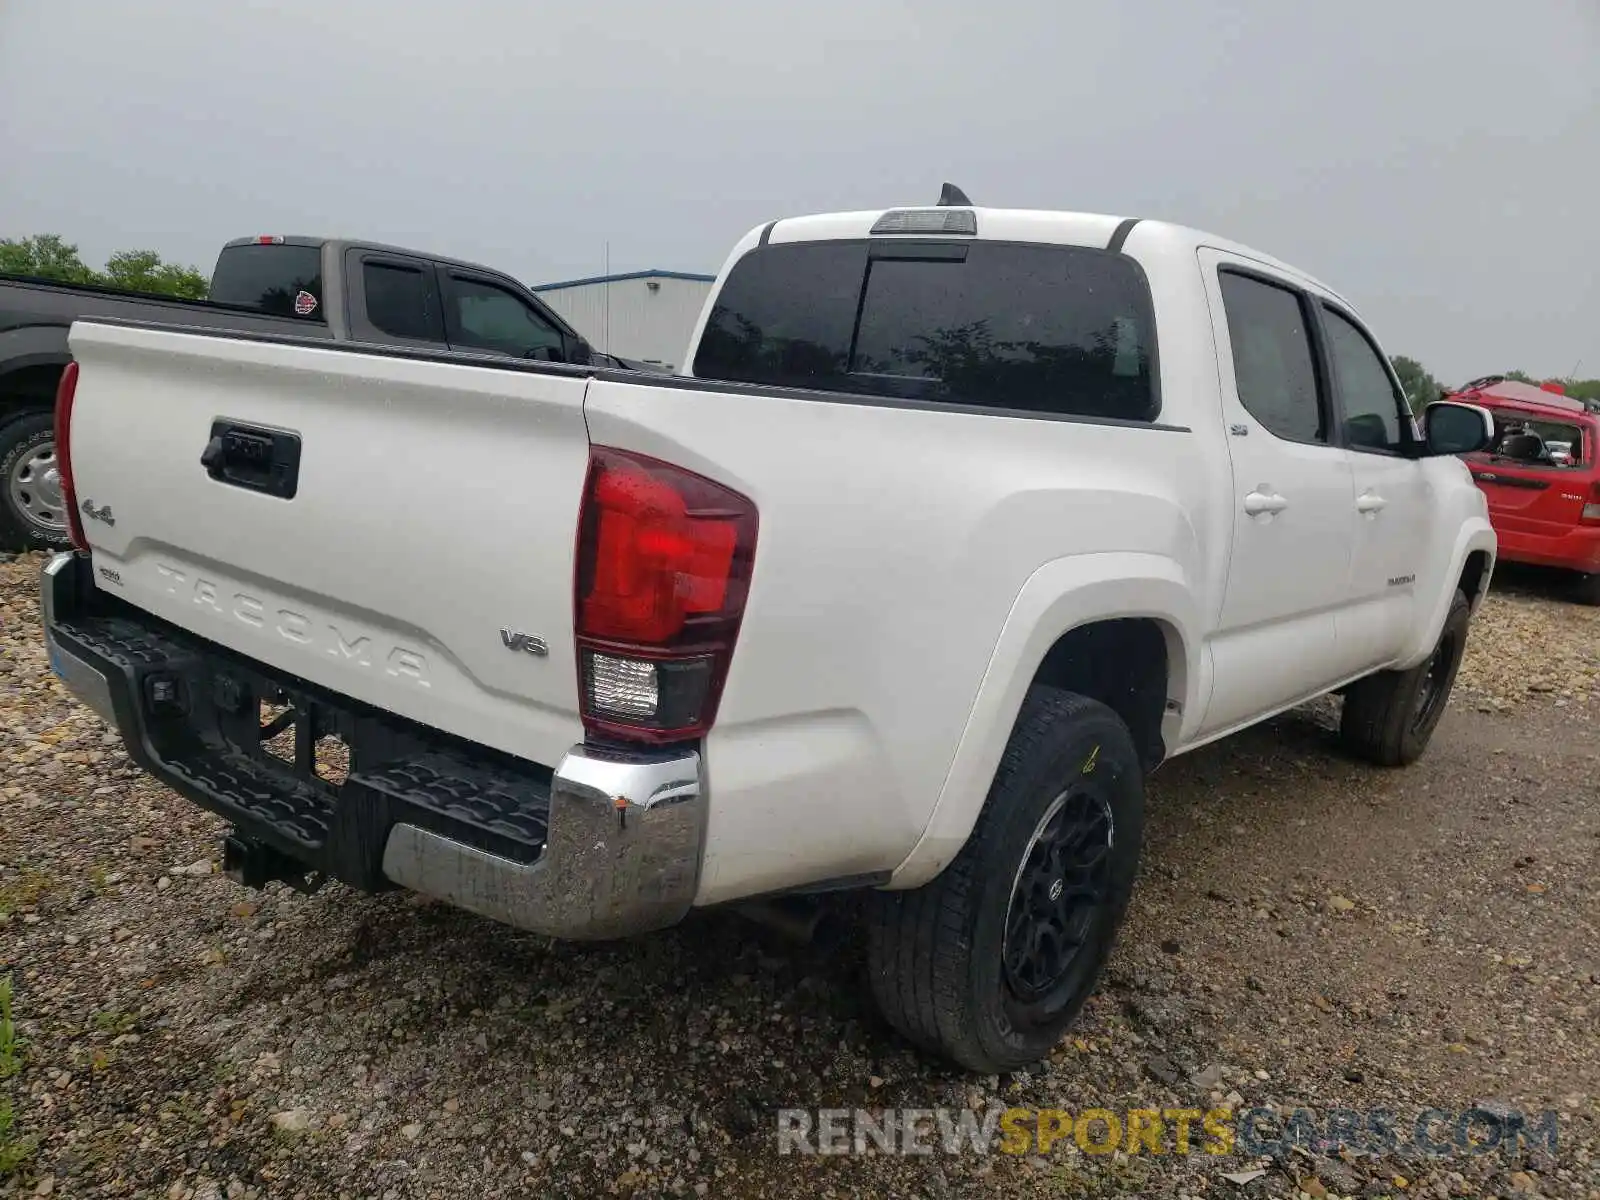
916	962
16	535
1376	719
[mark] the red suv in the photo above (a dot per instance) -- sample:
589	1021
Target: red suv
1541	475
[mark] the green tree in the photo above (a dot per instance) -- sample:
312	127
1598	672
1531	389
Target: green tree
143	271
45	256
48	256
1582	389
1420	386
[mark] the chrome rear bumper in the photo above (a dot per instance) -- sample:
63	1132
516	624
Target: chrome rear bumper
83	679
622	855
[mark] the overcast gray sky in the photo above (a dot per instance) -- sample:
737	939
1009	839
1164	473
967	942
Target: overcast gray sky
1438	161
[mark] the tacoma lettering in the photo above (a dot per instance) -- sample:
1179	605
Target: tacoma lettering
336	641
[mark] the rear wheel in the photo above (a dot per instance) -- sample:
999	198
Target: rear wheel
32	514
1588	591
1390	717
988	963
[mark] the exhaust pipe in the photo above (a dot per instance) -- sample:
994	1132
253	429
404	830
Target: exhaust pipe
802	920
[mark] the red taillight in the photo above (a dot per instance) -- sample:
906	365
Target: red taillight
1591	510
664	560
65	391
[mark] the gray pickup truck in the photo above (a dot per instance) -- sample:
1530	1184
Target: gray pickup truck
314	287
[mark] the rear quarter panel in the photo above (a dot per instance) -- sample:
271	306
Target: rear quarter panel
894	544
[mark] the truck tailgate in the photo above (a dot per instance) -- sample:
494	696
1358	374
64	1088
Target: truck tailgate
432	520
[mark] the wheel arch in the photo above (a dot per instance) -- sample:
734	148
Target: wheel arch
31	359
1475	575
1073	619
1470	568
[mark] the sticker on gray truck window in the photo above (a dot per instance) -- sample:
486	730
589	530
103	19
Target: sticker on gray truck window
304	304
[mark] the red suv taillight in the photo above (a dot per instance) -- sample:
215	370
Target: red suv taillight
663	569
1591	510
65	390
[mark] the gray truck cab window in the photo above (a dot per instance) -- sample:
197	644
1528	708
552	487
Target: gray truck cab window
484	316
398	300
275	279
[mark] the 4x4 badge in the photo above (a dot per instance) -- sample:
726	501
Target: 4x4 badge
103	513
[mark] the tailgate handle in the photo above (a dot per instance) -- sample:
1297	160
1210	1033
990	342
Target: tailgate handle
253	457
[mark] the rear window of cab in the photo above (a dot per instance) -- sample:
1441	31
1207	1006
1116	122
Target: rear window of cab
1030	329
1527	440
277	279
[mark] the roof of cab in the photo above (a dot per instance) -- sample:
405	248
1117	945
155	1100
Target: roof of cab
1044	226
340	245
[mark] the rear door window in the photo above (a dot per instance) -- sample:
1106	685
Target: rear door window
1273	368
1058	330
400	300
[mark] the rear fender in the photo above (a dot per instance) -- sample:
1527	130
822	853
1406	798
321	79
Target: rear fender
1060	596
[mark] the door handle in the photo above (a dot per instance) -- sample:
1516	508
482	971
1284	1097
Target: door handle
1263	500
1370	503
261	460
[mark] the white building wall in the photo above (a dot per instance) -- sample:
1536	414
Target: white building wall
630	317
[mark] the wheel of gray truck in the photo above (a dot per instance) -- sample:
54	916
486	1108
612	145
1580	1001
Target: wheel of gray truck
989	962
1389	717
31	512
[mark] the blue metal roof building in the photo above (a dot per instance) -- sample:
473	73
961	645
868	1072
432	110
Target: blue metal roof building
647	315
623	278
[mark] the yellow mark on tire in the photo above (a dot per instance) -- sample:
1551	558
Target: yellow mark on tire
1088	763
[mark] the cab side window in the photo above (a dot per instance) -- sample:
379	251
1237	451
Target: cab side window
483	316
1273	366
400	302
1376	416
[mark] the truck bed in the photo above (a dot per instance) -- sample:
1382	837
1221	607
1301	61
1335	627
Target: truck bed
27	301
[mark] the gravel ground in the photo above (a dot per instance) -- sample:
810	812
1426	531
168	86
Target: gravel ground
1307	932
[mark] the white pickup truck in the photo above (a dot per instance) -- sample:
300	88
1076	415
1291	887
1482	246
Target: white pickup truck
959	522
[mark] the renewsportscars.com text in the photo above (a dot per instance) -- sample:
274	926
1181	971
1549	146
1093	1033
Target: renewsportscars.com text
1250	1132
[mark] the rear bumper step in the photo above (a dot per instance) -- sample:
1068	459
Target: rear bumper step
605	845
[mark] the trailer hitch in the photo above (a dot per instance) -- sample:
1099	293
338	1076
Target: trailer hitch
254	864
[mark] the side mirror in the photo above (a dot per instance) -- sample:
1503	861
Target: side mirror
1449	427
